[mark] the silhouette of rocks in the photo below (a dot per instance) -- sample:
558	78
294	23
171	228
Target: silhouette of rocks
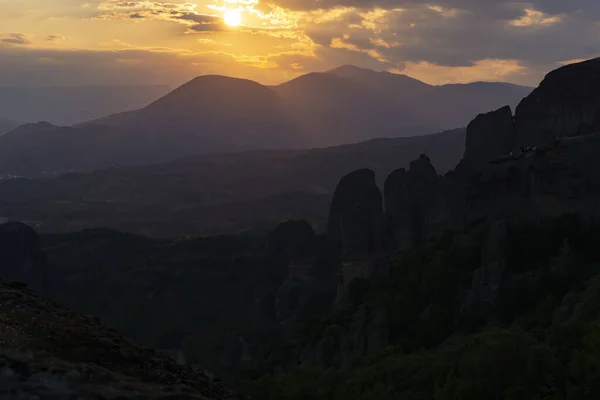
354	214
566	103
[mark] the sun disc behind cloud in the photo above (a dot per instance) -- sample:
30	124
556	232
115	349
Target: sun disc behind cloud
233	17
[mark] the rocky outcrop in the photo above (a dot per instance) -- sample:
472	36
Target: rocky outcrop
354	214
488	136
566	103
50	352
21	258
411	203
559	179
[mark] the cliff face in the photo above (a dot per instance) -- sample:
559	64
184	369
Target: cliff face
567	103
488	136
496	189
410	197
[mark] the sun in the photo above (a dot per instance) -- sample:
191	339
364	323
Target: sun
233	17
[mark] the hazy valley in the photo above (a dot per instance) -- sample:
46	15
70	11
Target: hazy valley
459	265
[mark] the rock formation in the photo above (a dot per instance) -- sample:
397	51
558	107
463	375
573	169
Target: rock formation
488	136
566	103
410	198
355	210
50	352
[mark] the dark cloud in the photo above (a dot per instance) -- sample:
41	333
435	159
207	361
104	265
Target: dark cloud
54	38
458	33
506	9
176	12
15	38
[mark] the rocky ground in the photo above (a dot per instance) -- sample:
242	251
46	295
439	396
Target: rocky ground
49	352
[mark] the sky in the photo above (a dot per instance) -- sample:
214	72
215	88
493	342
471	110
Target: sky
79	42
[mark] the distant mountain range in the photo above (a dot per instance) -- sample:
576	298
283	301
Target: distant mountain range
216	114
71	105
214	194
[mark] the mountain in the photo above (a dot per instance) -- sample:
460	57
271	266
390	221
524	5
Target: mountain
211	114
211	193
215	114
70	105
7	125
437	107
336	110
351	103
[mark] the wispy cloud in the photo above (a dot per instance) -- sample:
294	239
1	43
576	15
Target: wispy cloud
15	39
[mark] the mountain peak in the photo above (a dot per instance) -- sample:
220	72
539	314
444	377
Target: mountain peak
206	92
350	68
382	78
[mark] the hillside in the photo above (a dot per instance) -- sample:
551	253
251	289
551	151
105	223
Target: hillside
64	354
212	194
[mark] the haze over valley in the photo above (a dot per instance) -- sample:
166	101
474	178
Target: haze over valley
299	200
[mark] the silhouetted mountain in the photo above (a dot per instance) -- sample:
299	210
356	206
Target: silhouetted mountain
70	105
7	125
214	193
212	113
215	114
399	85
438	107
334	110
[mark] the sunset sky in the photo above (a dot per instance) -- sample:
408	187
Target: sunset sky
59	42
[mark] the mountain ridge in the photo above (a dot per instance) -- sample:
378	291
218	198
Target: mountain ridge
216	114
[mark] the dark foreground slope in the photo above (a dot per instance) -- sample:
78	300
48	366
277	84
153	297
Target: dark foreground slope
49	352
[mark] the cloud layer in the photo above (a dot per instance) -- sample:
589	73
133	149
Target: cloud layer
439	42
